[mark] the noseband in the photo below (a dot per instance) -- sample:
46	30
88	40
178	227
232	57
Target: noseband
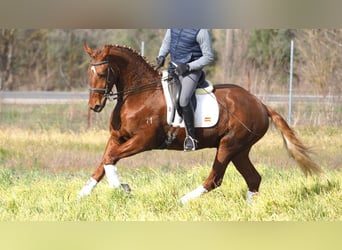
107	91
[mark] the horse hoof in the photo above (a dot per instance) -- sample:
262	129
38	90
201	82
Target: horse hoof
126	187
251	196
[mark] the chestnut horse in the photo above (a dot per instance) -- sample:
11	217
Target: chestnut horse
138	122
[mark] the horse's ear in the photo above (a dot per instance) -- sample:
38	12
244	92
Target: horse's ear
106	50
88	49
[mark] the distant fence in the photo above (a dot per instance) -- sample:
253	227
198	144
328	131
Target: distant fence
41	97
306	109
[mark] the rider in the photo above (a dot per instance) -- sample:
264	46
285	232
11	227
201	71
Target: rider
190	51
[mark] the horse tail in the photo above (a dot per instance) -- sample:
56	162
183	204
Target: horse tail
295	148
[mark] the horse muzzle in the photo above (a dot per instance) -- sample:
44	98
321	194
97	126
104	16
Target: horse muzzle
98	107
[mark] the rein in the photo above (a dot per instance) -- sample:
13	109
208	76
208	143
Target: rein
108	93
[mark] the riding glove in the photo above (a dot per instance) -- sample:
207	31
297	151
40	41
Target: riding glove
160	61
181	69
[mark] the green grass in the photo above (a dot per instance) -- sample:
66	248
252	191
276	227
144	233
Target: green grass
44	117
42	168
285	195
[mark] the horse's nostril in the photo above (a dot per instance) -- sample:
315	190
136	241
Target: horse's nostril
96	108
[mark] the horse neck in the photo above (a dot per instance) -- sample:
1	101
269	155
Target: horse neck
134	71
136	75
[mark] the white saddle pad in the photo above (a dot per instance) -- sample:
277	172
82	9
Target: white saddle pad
206	113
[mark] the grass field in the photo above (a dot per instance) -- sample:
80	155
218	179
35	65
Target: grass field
47	154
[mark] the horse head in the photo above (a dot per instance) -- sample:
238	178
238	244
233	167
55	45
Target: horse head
102	78
120	66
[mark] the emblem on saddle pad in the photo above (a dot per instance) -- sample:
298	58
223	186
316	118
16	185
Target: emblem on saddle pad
206	112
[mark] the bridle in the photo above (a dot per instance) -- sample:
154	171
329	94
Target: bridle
107	90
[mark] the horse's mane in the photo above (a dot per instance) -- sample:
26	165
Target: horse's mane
136	56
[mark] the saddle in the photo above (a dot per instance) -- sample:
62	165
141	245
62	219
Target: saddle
204	102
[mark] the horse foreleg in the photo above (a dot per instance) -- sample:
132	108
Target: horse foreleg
110	171
113	153
88	188
102	169
94	180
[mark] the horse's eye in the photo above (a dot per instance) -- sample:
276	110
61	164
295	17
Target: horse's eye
101	75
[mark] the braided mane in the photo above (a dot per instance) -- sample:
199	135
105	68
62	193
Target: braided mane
136	56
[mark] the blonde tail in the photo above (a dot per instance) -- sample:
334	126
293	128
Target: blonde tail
295	148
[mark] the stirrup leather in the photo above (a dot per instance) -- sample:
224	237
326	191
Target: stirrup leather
190	143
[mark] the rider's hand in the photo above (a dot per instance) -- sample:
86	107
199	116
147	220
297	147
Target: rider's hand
160	61
181	69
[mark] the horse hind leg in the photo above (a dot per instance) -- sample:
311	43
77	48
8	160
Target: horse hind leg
215	177
245	167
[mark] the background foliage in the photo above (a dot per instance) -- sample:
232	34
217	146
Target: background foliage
54	59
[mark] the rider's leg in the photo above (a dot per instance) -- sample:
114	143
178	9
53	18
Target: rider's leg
189	83
188	116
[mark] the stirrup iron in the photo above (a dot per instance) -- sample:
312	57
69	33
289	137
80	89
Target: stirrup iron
190	143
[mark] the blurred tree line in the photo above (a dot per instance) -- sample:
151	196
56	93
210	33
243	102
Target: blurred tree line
54	59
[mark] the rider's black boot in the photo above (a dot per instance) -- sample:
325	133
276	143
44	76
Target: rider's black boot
190	143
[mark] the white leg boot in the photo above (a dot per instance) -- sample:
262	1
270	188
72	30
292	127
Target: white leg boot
251	196
88	188
112	176
193	194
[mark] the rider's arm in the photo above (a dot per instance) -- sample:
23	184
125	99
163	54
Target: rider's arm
204	40
165	47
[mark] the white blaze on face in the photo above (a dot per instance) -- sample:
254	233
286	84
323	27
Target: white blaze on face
93	69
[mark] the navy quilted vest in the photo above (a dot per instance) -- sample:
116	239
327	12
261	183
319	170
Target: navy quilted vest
184	47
